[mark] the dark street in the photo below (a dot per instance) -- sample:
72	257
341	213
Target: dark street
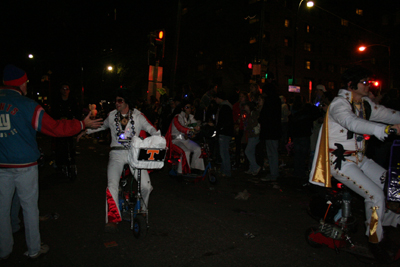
190	224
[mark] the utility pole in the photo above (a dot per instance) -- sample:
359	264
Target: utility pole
178	30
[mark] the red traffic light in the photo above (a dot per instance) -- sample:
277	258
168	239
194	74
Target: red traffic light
374	83
250	66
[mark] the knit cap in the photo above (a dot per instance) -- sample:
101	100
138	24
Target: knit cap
14	76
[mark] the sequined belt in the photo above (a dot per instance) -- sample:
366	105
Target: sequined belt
346	152
119	148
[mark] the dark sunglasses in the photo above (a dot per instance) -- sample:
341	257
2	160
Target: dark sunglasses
187	107
119	101
366	82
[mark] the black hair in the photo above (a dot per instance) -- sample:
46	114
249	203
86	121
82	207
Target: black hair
125	94
251	105
65	83
184	103
355	75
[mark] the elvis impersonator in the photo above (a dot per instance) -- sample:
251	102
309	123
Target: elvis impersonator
340	152
124	123
181	126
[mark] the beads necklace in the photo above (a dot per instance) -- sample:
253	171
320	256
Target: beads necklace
123	120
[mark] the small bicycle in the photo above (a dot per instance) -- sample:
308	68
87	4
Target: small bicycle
336	222
131	202
208	172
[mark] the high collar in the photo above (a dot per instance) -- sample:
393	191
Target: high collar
12	88
348	95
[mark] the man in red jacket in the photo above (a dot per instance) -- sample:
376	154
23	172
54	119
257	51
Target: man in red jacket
20	119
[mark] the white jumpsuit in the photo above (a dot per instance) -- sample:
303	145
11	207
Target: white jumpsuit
119	157
357	172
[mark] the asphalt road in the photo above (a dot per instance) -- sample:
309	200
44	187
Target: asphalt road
190	224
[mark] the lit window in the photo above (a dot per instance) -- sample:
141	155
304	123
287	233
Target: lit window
307	47
308	65
287	23
359	11
253	40
344	22
219	64
308	28
287	41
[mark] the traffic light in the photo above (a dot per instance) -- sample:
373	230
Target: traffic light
160	43
250	66
156	46
160	36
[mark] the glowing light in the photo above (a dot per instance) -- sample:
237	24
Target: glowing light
367	137
110	68
362	48
30	56
310	3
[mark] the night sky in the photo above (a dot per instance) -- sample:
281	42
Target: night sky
66	35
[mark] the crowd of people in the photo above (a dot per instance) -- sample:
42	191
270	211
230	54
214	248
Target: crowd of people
252	134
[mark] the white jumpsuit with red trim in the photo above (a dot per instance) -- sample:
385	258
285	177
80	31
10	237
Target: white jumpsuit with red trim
118	158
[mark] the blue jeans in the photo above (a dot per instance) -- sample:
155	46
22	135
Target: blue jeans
273	157
15	207
25	182
225	156
251	153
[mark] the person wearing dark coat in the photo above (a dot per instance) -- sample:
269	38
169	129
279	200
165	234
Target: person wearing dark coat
224	120
270	128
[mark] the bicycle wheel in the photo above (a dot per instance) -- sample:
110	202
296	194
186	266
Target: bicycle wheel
139	227
212	177
309	239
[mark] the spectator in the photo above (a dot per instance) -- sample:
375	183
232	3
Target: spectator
285	112
206	99
301	124
238	120
224	120
250	136
254	92
19	152
271	132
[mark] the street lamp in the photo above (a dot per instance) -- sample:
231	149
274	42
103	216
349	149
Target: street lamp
363	48
309	4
